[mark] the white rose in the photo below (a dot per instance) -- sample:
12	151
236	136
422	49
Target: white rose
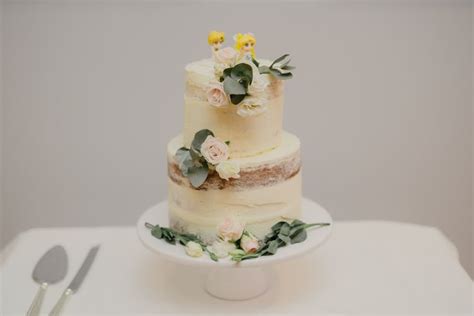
216	95
251	106
214	150
221	248
230	230
228	169
226	56
249	243
193	249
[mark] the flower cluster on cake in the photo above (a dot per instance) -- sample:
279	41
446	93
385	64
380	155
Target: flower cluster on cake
234	174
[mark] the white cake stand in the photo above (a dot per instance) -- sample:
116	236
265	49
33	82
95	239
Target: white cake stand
221	274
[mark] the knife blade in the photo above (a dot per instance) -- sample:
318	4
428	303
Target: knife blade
76	281
83	270
50	269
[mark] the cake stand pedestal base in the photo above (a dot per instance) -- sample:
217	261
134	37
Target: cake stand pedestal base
249	278
256	283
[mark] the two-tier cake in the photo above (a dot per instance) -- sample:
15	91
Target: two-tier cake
233	158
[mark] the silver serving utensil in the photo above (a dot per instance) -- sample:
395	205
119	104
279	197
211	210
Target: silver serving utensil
51	268
76	282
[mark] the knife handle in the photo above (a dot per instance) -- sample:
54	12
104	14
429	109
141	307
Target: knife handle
56	311
35	307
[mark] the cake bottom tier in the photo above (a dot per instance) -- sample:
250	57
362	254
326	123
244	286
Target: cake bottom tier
200	212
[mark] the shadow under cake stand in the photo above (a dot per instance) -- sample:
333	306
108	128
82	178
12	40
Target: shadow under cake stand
220	274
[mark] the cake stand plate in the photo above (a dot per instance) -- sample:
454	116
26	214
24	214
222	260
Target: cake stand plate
225	271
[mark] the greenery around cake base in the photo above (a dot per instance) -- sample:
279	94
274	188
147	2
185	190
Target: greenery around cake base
282	234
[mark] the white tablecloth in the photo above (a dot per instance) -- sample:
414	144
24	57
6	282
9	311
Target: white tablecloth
365	268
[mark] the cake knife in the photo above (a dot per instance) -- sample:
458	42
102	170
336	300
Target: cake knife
76	282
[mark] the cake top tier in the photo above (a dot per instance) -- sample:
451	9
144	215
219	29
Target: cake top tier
236	95
235	75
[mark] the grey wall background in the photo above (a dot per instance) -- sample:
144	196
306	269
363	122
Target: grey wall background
381	101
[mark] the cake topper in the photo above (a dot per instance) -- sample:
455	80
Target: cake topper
245	45
215	39
239	77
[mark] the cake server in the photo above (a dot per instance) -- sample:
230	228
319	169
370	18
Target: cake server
76	282
51	268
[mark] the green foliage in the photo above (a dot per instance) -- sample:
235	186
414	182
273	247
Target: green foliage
191	162
198	174
243	73
184	160
234	87
236	81
199	138
282	234
237	98
172	237
279	68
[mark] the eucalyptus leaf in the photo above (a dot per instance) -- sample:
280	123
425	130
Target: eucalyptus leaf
232	86
278	225
227	72
183	241
195	155
182	154
186	164
237	98
297	222
296	228
197	175
282	71
213	256
280	75
242	71
282	60
285	229
273	247
171	241
270	236
251	256
200	137
184	160
285	239
157	232
300	236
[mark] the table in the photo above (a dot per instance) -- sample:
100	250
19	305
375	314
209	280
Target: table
366	267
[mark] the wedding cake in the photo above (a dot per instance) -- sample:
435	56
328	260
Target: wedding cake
233	159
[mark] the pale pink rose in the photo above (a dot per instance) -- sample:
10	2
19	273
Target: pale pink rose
249	243
230	230
214	150
226	56
216	95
